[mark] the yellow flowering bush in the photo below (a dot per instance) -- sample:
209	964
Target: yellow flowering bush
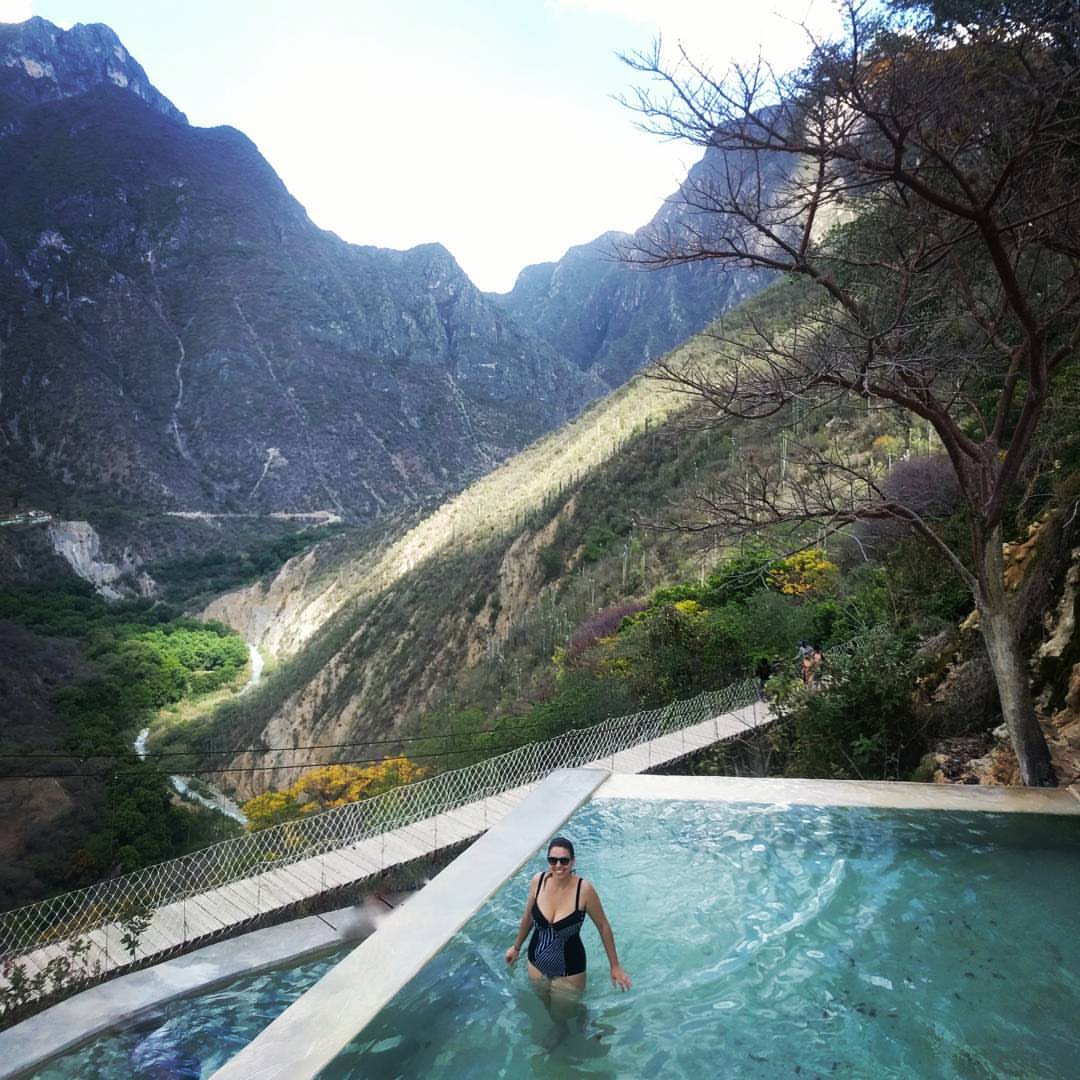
688	607
329	786
803	573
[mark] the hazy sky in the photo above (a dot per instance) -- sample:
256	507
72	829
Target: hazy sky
487	125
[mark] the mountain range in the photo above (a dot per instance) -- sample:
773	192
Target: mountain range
176	334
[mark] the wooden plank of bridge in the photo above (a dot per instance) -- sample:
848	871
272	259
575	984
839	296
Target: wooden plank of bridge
246	893
279	891
420	835
206	915
154	939
202	920
224	903
345	870
169	920
364	856
104	944
38	960
326	871
315	875
395	847
303	875
671	747
453	826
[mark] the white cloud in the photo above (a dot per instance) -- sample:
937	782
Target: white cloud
12	11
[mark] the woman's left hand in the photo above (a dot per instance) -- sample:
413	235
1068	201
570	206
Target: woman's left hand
619	978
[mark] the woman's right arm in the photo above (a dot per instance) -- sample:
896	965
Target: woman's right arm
525	924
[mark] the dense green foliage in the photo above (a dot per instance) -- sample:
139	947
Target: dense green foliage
143	656
639	655
215	572
699	636
147	656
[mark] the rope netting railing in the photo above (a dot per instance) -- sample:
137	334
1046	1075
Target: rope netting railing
72	914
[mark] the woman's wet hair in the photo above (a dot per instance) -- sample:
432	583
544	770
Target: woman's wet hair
561	841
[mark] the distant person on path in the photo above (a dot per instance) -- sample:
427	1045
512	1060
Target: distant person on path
816	661
556	907
806	661
763	671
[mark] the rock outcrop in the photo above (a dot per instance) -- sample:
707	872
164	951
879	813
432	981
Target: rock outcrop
79	545
39	62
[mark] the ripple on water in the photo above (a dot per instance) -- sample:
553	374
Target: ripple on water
839	941
762	941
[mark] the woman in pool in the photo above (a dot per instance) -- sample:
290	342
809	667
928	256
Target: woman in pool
557	905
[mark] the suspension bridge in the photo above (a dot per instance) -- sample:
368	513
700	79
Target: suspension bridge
82	937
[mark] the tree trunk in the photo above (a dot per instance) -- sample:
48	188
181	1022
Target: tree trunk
1002	639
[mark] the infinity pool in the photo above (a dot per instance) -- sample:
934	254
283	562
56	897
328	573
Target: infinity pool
774	941
764	941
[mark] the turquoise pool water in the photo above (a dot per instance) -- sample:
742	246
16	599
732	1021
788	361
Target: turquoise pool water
191	1038
774	942
763	942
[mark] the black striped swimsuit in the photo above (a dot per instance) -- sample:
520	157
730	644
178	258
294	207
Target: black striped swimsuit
555	948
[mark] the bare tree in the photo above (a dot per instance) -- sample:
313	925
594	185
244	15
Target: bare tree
925	181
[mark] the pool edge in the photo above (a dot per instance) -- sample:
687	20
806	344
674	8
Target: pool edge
889	794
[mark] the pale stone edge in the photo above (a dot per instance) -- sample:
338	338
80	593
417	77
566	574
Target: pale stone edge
308	1035
891	794
63	1027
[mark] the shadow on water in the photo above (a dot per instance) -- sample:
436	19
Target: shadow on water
529	1035
565	1039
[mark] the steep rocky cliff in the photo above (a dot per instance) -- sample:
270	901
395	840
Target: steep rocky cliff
175	332
609	313
79	545
40	62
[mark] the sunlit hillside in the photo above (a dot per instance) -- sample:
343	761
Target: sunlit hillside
466	607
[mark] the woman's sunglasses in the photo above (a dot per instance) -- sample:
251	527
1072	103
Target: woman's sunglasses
559	860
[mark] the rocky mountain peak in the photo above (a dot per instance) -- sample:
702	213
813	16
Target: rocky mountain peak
40	62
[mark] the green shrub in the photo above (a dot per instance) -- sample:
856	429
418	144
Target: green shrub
551	563
597	541
857	722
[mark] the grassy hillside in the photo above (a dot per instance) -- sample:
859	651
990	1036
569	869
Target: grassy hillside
466	609
453	625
